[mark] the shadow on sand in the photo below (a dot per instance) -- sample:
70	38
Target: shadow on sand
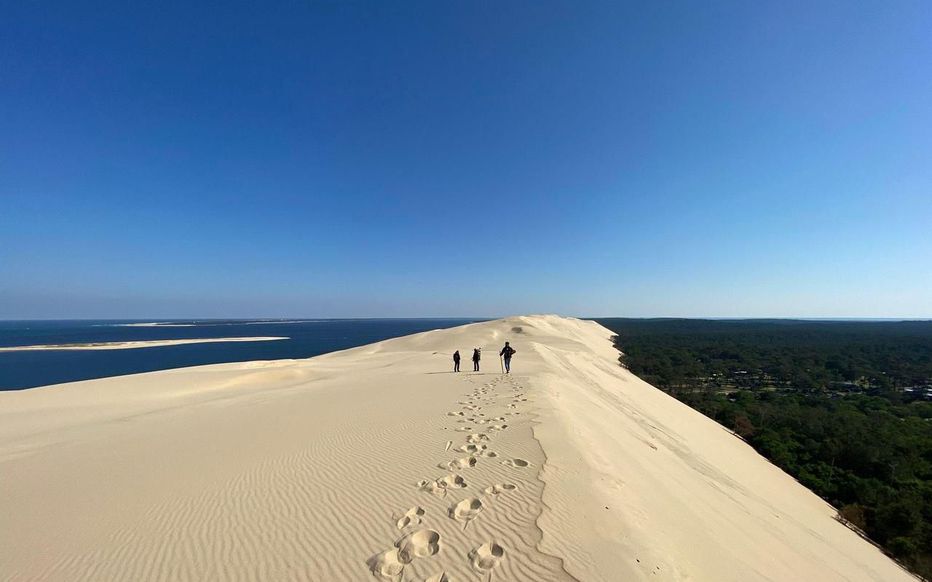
466	373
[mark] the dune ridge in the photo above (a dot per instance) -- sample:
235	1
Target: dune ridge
379	462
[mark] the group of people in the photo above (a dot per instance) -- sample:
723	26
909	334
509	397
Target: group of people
506	354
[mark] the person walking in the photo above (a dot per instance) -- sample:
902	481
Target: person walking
506	353
456	361
476	356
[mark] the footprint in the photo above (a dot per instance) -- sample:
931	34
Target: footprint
411	517
387	564
457	413
498	489
498	427
456	464
466	510
431	487
471	448
486	557
477	438
418	544
451	481
464	429
517	463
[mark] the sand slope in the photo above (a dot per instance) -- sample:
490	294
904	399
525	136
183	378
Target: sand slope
379	462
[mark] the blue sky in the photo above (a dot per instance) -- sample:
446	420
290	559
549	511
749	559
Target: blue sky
329	159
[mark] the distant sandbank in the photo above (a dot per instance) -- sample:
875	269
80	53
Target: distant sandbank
212	323
137	344
155	324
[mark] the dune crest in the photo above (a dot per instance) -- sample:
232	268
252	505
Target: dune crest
380	462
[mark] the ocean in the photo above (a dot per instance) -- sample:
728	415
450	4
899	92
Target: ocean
306	338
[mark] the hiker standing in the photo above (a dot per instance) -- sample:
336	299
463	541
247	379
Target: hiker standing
476	356
506	353
456	361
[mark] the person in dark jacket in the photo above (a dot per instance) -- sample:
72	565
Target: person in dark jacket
456	361
476	356
506	353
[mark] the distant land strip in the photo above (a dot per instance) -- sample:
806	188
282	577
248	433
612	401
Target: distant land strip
136	344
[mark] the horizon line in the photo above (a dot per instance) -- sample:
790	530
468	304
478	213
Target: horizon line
485	318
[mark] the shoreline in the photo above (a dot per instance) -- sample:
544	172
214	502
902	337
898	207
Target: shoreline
131	345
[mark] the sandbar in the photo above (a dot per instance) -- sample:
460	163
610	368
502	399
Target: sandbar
132	345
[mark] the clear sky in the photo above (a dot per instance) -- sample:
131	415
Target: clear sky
331	159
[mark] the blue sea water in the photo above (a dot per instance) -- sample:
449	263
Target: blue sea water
307	338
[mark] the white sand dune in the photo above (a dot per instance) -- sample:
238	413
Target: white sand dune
132	345
378	461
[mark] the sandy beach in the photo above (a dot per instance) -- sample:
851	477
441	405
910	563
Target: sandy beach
381	463
132	345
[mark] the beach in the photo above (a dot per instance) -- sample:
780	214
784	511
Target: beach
380	462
